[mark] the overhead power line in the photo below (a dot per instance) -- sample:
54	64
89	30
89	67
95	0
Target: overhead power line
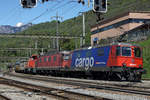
53	8
38	36
57	33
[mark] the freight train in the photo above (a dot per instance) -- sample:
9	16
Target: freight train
118	61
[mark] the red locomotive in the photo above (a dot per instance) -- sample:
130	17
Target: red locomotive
53	60
126	55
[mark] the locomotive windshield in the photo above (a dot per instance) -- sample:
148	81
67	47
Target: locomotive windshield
137	52
123	51
34	57
66	57
126	51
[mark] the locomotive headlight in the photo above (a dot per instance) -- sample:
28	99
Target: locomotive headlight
132	60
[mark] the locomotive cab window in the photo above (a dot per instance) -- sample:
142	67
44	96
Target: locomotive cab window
126	51
137	52
34	57
118	51
66	57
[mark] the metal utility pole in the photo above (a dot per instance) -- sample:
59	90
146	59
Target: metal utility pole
53	43
57	31
36	44
42	53
82	41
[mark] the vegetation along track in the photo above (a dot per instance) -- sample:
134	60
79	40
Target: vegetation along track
128	88
53	92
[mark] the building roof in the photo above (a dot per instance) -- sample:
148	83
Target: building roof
116	17
146	25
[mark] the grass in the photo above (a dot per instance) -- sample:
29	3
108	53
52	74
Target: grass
146	56
3	67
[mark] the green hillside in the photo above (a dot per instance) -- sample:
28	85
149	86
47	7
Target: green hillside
146	56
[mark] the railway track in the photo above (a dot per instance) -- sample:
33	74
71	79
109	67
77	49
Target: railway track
72	81
146	79
60	94
2	97
94	85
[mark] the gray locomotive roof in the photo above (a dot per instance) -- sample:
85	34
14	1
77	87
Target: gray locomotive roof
55	52
117	43
126	44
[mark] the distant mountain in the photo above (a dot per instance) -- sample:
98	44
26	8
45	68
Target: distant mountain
13	29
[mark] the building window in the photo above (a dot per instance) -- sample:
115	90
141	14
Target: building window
115	25
95	40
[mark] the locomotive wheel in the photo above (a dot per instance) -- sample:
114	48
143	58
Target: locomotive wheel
26	71
109	76
118	76
34	71
121	76
131	77
138	77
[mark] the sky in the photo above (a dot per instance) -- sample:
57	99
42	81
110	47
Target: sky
11	12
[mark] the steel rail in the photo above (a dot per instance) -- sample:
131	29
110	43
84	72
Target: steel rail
93	85
2	97
68	95
67	80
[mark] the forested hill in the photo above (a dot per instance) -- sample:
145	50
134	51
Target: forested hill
74	26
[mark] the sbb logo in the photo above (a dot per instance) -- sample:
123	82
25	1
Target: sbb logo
84	62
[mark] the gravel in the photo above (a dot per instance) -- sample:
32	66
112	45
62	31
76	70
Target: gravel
99	93
18	94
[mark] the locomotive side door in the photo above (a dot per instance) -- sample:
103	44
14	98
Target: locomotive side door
113	56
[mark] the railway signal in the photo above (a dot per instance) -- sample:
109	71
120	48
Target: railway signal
44	1
100	6
28	3
81	1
